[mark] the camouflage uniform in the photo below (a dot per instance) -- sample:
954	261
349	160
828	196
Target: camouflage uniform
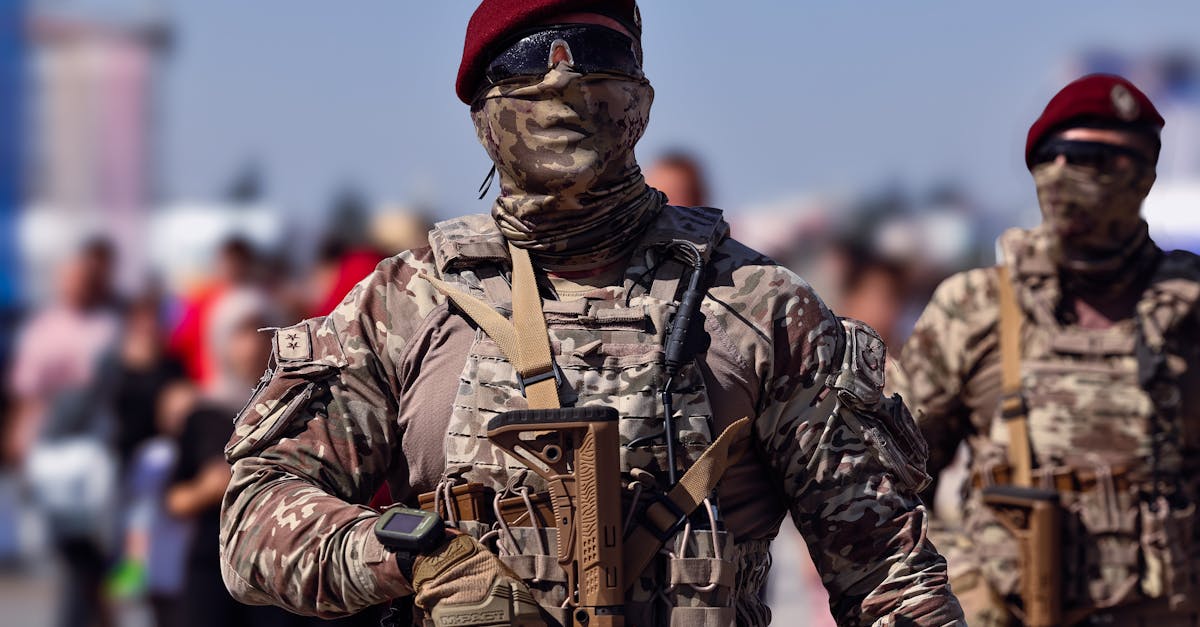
395	384
1128	543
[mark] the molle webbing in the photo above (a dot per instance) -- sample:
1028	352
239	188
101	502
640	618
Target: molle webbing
525	342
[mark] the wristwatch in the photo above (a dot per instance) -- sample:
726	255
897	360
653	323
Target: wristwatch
407	533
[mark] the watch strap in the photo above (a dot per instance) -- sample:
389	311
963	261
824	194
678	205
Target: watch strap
404	561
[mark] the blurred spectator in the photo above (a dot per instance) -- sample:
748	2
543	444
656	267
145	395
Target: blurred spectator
61	382
145	370
339	268
396	229
156	543
235	267
679	175
201	474
874	290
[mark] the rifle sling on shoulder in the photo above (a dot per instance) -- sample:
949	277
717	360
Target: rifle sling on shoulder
1012	403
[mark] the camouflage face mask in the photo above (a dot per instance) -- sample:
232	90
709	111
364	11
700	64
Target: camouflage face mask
1093	214
571	190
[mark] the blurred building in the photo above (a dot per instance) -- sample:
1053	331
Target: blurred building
12	170
92	112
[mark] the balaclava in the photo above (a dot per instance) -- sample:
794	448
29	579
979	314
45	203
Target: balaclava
1095	216
571	191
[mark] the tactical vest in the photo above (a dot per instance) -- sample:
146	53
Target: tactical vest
1105	429
609	347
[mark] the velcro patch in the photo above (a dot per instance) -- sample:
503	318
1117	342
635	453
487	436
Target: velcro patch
293	343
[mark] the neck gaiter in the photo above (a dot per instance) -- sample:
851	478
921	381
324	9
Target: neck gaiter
571	191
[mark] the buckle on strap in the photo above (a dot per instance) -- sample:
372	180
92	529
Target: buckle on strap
1012	406
554	372
650	520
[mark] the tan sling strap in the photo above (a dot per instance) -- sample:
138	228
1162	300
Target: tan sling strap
1012	406
524	340
664	517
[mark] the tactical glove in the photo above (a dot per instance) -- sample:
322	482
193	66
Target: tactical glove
461	583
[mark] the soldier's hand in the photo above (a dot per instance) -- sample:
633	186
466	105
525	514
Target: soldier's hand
462	583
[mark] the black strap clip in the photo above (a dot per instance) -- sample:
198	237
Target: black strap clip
1012	406
566	395
680	518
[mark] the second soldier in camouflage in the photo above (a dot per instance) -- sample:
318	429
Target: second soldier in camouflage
1104	393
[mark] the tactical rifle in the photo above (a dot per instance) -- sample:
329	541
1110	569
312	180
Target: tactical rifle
1034	517
576	450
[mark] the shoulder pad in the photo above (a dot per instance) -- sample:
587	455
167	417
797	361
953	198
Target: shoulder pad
1026	253
467	241
864	358
1179	265
884	423
303	355
1172	297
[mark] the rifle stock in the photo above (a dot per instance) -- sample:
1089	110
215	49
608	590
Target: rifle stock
1034	517
576	450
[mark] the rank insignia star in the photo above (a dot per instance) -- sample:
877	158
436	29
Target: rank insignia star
294	343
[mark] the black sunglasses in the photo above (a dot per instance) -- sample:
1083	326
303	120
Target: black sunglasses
1098	155
589	49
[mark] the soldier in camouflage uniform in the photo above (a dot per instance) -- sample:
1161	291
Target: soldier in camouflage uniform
397	383
1106	381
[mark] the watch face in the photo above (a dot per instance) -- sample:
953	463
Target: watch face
405	529
401	522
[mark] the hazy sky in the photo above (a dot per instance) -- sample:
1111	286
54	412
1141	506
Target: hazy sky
779	98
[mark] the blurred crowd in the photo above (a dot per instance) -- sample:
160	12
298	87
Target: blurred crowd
117	408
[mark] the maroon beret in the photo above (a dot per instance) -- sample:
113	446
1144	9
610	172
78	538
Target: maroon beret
1104	99
495	20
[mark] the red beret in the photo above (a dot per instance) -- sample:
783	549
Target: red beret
1095	98
495	20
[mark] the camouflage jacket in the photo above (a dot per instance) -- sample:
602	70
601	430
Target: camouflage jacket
1088	414
365	395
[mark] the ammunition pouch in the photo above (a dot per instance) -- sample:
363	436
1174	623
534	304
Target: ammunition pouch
700	578
694	586
1060	479
1169	553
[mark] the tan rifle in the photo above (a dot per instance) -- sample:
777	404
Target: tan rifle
1034	517
576	450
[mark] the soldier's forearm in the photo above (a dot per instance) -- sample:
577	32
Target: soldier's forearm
892	573
916	587
286	542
